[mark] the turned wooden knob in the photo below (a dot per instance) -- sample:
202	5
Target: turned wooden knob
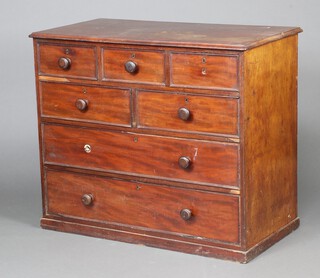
184	162
131	67
81	104
186	214
87	199
184	113
64	63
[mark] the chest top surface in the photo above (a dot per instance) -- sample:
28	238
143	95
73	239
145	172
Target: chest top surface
211	36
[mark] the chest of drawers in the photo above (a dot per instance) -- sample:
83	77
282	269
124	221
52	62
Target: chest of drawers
173	135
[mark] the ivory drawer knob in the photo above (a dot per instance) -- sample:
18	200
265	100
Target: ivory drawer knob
186	214
64	63
81	104
184	162
87	199
184	113
87	148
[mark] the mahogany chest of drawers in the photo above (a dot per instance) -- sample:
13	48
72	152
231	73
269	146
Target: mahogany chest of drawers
174	135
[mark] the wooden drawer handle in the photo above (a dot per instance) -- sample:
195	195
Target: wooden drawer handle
183	113
184	162
186	214
131	67
87	199
64	63
81	104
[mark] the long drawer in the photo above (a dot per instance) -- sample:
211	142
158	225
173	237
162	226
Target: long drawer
144	155
182	211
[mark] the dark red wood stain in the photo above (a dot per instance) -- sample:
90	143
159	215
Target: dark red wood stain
123	105
211	162
105	105
141	205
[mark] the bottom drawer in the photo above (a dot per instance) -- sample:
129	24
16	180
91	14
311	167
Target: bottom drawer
212	216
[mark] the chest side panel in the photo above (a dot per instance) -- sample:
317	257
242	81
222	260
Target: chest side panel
269	114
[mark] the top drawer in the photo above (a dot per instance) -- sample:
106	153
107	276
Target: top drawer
133	65
204	71
67	60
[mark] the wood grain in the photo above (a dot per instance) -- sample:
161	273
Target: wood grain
154	156
269	114
202	70
208	114
150	65
83	60
214	216
209	36
105	105
240	85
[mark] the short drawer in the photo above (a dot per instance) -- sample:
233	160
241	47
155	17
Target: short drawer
187	113
207	215
143	155
146	66
204	71
104	105
67	60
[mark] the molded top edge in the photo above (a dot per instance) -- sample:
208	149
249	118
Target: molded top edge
193	35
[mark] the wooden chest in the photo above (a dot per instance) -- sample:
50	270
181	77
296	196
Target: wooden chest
173	135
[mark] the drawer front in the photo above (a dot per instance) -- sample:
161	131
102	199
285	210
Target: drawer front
149	66
67	61
152	156
187	113
202	70
213	216
94	104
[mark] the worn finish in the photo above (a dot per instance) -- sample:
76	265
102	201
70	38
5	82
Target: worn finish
143	205
203	71
173	135
103	105
149	66
67	60
206	114
270	138
210	162
200	36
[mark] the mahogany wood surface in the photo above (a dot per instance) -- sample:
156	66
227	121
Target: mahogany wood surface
105	105
210	36
207	114
270	138
154	156
150	65
220	100
143	205
201	70
186	246
83	60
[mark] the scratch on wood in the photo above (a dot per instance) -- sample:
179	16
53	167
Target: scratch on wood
195	154
50	78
